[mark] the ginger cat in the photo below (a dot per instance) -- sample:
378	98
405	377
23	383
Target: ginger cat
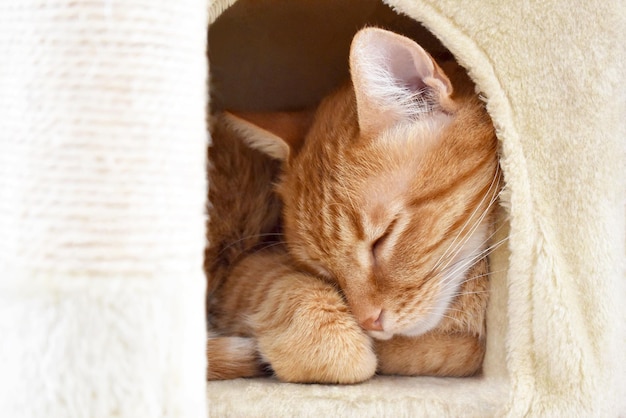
387	195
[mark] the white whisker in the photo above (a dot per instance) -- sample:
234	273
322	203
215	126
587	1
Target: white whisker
454	246
477	256
465	264
232	244
459	246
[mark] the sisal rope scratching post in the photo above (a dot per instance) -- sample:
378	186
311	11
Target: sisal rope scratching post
102	192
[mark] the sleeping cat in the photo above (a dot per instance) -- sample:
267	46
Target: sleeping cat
387	194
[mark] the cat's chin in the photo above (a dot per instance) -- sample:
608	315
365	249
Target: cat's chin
422	327
411	332
419	329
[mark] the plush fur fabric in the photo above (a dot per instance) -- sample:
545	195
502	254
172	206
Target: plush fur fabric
554	78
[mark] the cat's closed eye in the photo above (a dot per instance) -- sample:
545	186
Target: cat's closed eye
379	243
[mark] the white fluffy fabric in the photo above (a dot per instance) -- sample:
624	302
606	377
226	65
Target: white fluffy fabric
553	76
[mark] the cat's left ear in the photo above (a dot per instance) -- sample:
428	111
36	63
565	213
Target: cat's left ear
395	79
277	134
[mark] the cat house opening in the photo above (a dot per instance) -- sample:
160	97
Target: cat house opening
282	55
268	55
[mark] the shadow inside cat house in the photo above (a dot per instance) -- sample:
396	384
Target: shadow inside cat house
357	221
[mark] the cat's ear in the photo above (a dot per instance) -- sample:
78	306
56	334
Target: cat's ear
277	134
394	79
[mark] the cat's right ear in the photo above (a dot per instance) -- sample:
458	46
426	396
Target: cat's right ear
277	134
394	80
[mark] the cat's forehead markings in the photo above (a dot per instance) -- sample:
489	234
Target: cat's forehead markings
415	135
385	192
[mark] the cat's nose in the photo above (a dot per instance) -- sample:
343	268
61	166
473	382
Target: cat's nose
373	321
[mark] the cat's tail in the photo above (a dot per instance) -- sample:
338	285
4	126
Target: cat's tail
232	357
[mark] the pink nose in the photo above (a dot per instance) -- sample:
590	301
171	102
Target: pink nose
373	322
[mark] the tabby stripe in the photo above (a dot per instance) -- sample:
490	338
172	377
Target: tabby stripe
261	291
336	228
357	221
329	210
447	190
240	300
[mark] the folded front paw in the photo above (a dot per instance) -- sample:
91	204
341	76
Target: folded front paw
314	338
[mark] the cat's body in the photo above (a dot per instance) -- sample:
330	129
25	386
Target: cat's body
244	214
387	212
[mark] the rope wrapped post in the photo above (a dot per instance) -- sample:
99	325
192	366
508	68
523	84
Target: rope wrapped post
102	193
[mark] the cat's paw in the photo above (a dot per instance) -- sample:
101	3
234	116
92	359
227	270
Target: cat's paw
317	340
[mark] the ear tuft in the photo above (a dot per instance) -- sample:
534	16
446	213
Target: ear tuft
394	80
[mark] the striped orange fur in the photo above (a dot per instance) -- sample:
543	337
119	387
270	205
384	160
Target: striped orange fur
387	202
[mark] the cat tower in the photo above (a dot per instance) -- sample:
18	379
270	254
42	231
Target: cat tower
102	194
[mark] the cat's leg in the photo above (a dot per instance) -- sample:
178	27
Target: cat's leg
231	357
302	325
309	335
432	354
